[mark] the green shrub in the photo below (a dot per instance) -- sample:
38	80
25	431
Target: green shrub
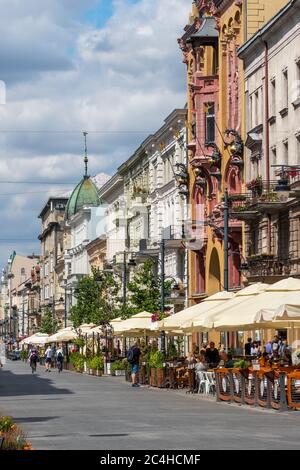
156	360
23	354
77	360
95	363
118	365
6	423
242	364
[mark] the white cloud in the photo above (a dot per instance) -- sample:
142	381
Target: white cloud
62	74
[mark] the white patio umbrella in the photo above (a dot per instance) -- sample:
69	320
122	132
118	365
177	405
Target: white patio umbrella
65	334
139	323
99	329
176	321
206	321
249	316
36	339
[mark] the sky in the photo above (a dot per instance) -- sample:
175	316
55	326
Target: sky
111	67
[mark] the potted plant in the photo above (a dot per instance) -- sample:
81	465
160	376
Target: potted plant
97	365
118	368
157	369
77	360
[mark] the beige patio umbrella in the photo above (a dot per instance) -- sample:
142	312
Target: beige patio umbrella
175	322
85	328
206	321
99	329
139	323
65	334
249	316
37	339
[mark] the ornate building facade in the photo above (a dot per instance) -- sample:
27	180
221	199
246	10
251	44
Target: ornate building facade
216	133
270	206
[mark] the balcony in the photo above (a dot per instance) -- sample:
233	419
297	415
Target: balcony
267	265
259	198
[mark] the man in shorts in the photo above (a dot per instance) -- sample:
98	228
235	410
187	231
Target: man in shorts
48	359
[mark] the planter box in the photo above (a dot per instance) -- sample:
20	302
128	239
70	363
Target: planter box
153	377
160	378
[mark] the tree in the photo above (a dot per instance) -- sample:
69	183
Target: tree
144	290
49	325
97	299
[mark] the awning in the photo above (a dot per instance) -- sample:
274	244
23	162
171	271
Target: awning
249	316
37	339
66	334
206	321
175	322
139	323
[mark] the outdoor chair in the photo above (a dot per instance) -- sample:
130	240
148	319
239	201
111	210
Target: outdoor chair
202	382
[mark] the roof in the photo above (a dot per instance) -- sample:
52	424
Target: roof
206	32
267	27
85	194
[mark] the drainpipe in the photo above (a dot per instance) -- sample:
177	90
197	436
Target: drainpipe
267	134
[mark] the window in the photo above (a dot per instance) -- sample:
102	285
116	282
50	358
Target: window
285	90
256	108
51	263
297	78
285	155
274	155
46	292
250	113
23	272
298	148
273	97
210	122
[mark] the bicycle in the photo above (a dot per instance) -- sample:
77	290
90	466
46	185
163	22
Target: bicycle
33	366
59	366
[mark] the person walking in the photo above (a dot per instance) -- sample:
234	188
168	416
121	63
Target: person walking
248	346
48	361
33	358
133	357
59	359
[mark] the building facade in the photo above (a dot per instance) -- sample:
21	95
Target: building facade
52	249
216	133
19	268
270	207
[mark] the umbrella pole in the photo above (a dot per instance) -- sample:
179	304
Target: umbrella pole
93	344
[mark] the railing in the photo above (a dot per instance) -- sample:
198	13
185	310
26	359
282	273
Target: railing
260	265
277	389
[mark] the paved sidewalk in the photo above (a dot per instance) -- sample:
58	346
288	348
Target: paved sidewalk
74	411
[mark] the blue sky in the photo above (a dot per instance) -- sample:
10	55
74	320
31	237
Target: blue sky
74	65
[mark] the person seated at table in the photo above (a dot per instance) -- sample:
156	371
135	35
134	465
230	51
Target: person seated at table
201	364
264	359
254	349
203	349
212	356
287	358
229	364
190	360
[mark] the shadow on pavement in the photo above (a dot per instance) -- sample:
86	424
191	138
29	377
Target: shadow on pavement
27	384
36	419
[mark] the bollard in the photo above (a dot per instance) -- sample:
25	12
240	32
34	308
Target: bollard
283	400
243	389
231	387
256	404
269	394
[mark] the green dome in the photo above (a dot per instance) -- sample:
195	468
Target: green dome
85	194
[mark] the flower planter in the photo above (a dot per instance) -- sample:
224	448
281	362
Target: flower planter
160	378
153	377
